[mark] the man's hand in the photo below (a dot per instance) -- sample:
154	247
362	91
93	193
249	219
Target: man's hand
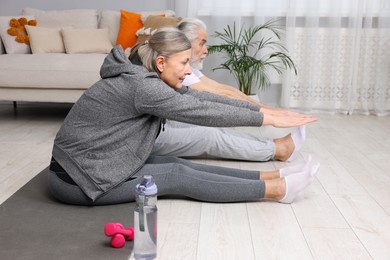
287	121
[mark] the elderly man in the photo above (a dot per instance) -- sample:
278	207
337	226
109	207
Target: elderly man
186	140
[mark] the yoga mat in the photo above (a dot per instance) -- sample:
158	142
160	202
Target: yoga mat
34	225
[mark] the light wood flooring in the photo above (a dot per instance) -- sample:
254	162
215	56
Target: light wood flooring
344	214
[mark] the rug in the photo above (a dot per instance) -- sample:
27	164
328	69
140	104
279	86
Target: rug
34	225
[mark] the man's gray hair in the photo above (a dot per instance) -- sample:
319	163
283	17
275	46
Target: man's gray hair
190	26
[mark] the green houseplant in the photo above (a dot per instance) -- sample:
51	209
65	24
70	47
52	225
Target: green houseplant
252	53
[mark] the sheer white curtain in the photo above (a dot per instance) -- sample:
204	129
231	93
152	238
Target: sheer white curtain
341	48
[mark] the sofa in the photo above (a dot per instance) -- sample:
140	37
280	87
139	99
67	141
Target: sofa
65	50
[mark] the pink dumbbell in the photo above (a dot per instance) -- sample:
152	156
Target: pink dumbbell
118	233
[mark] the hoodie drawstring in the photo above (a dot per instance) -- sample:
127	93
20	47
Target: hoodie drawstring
163	121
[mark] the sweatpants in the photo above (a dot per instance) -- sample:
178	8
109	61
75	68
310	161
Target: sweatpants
173	176
187	140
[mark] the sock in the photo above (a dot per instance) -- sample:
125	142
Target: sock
283	172
314	169
298	137
297	182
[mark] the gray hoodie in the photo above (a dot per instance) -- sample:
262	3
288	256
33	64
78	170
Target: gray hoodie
110	131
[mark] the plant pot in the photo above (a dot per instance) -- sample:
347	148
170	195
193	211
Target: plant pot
255	97
271	96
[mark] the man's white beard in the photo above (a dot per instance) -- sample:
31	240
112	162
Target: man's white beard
197	64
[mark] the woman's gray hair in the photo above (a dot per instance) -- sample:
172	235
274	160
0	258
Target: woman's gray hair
164	42
190	27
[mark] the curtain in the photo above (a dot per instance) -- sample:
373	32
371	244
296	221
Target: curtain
341	49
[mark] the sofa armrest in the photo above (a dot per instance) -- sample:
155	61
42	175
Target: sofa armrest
2	50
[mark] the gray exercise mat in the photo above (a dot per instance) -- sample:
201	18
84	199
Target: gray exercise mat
36	226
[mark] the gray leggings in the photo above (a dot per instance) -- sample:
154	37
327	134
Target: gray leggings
173	176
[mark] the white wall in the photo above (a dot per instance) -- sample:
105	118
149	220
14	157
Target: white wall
14	7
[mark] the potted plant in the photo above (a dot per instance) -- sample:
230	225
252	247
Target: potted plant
251	54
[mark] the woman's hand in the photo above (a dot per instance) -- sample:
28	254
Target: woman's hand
287	121
281	112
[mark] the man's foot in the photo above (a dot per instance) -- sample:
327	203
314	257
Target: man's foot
287	147
284	147
298	137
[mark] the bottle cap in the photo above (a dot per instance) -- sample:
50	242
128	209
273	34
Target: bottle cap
147	186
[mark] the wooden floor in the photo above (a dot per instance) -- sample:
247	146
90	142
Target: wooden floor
344	214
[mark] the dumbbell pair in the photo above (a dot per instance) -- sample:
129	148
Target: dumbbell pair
118	234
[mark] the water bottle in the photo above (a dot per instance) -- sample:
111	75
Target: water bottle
145	220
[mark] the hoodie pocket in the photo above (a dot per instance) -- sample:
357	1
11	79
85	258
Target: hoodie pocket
107	169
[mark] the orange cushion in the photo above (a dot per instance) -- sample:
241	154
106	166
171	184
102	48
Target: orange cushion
130	23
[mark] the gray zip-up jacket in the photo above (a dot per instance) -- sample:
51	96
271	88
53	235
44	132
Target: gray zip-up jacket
110	131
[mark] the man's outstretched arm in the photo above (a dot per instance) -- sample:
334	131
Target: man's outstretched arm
212	86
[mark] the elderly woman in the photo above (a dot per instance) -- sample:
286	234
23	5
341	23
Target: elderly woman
103	147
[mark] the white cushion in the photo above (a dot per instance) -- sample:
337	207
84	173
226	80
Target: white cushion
146	14
111	21
10	44
45	39
86	40
50	71
2	50
77	18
